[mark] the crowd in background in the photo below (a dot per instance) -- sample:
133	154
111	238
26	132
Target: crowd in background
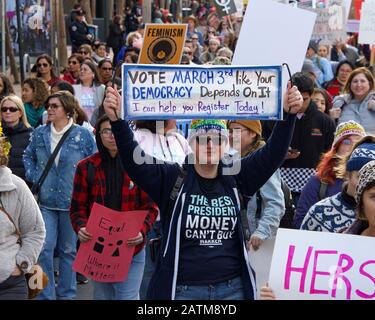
331	142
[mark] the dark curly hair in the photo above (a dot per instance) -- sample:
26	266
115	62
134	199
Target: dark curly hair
40	91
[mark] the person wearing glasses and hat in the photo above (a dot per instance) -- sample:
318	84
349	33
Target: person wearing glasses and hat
203	252
192	29
79	33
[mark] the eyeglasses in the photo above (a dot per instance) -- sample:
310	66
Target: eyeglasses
83	52
216	140
45	65
72	62
347	142
106	132
11	109
53	106
194	39
106	69
211	31
237	130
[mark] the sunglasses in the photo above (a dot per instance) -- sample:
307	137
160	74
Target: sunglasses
216	140
106	69
83	52
53	106
45	65
194	38
189	53
11	109
72	62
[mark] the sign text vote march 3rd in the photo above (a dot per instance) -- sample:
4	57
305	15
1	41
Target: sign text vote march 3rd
195	92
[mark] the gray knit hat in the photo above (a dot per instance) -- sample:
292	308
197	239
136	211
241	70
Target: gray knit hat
366	177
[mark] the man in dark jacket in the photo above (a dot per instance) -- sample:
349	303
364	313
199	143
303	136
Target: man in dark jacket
78	31
313	135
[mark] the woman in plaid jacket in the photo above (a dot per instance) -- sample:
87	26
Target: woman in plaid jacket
97	179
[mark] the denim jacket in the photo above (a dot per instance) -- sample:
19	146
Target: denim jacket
57	188
272	209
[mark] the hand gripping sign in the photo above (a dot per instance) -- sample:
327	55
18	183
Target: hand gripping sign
196	92
107	257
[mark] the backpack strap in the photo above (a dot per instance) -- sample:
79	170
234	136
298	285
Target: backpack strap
176	189
323	190
258	212
243	212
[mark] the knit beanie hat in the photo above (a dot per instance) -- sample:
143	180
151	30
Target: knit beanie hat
314	45
347	128
366	177
253	125
198	127
362	154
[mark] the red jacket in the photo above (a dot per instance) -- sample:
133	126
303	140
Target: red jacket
84	197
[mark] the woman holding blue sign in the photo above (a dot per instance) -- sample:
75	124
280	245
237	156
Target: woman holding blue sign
204	247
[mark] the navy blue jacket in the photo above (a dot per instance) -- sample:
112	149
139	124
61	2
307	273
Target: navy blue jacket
158	181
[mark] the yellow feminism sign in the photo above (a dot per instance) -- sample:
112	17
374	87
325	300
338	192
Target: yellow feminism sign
163	43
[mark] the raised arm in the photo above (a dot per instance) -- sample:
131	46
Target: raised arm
155	178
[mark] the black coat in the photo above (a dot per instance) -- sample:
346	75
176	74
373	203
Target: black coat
115	37
19	138
78	34
313	135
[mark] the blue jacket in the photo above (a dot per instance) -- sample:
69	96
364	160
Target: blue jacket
310	196
158	180
57	188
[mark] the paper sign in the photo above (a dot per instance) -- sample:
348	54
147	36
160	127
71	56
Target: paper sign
199	92
261	262
107	257
330	24
367	23
163	43
354	16
310	265
225	7
273	33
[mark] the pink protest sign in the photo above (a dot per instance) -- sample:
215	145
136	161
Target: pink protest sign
107	257
322	265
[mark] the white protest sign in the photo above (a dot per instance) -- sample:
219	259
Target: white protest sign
261	262
273	33
330	24
199	92
367	23
310	265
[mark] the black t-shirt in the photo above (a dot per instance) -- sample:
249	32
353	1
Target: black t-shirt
210	249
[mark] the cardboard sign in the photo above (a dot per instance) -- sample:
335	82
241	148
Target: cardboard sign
330	24
163	43
197	92
225	7
273	33
322	265
367	23
107	257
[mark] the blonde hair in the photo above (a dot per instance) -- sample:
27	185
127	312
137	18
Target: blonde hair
131	36
18	102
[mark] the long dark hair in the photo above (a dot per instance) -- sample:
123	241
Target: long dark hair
49	60
8	88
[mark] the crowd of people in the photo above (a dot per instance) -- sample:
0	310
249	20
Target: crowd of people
64	140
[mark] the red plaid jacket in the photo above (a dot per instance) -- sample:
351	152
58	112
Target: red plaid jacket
84	197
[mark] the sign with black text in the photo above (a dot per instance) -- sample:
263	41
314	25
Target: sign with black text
199	92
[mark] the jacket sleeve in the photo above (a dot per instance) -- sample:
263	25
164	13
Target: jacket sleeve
147	204
80	198
309	196
30	160
273	207
31	226
90	144
153	176
259	166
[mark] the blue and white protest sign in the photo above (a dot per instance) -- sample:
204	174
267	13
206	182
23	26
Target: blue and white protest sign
199	92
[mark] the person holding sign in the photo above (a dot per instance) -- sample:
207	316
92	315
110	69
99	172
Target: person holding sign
204	249
100	178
